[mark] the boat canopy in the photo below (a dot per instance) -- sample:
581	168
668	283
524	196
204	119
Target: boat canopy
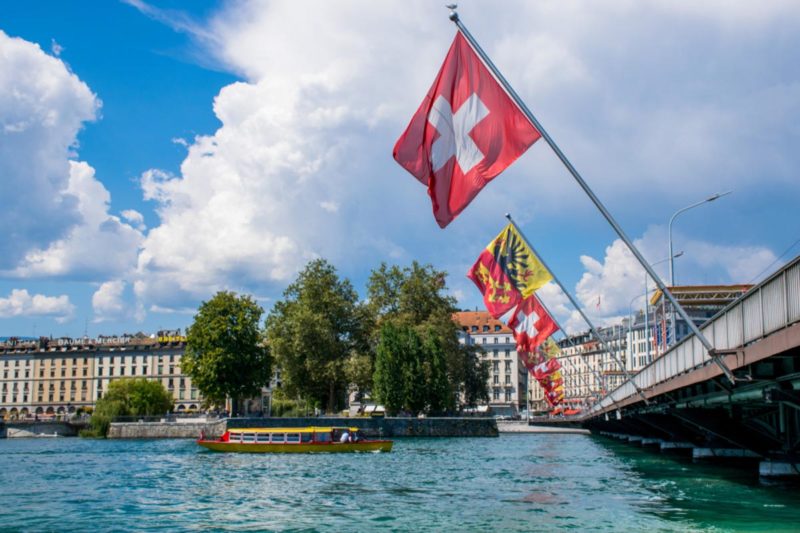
312	429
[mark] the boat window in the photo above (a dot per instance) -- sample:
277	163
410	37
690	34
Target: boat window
234	437
292	437
262	437
323	437
278	437
248	437
305	437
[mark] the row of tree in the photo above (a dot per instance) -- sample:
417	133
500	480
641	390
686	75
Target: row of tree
400	346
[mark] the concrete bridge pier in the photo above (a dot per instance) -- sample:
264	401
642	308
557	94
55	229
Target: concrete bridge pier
723	454
775	468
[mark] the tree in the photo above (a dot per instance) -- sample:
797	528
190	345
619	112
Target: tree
314	332
129	397
416	297
389	379
226	356
440	392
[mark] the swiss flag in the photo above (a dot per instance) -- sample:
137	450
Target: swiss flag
466	132
531	324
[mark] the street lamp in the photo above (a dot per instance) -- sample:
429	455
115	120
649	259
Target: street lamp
672	219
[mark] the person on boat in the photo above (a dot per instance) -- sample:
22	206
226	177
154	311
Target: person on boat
345	436
356	436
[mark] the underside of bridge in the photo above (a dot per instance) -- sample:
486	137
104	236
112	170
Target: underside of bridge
757	418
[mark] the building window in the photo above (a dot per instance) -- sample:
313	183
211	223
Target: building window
483	340
496	366
509	393
496	394
495	353
496	379
508	380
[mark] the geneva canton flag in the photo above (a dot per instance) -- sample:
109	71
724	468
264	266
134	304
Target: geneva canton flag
466	132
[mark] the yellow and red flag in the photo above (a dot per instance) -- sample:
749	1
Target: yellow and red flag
507	272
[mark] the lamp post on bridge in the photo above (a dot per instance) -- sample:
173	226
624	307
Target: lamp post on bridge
672	219
671	266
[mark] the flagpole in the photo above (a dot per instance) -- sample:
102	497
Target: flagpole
572	344
579	309
681	311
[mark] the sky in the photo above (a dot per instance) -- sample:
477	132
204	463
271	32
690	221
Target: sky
154	153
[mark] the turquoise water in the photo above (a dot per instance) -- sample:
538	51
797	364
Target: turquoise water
512	483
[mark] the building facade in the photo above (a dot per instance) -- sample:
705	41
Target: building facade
47	377
508	378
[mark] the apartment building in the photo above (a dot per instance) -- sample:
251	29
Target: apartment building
46	377
508	378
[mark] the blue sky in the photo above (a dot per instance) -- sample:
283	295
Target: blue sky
154	153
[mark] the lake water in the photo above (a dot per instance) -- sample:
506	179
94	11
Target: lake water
510	483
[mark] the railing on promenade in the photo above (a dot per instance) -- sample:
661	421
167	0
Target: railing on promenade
770	306
171	417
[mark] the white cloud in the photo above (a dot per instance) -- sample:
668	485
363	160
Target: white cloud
310	129
21	304
619	280
134	218
42	108
56	48
330	207
108	302
98	247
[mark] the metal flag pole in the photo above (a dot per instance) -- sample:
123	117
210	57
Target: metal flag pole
572	344
488	62
594	331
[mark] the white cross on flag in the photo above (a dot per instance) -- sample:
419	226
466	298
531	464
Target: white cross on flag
531	324
466	132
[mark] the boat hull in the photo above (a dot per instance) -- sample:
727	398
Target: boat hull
311	447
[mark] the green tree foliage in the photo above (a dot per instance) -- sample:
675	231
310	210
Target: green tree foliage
225	351
129	397
389	381
314	332
417	297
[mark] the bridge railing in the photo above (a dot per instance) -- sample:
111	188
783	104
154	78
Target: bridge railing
769	306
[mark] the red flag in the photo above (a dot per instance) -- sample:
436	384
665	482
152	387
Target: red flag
466	131
545	369
499	293
531	324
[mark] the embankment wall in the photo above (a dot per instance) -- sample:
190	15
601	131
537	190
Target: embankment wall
371	427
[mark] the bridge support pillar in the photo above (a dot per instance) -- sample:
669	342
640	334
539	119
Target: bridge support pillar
723	453
778	469
670	445
651	442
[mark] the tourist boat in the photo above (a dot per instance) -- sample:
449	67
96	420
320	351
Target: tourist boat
294	440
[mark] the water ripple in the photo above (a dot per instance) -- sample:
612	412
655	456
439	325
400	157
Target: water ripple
513	483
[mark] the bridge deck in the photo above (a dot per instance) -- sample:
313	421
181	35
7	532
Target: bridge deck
762	323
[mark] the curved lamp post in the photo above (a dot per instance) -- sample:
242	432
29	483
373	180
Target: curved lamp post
672	219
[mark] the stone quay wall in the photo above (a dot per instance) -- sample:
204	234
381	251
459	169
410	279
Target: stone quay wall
371	427
165	430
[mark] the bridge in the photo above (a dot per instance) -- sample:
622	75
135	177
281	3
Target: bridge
689	404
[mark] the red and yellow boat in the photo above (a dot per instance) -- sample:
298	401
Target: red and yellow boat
294	440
